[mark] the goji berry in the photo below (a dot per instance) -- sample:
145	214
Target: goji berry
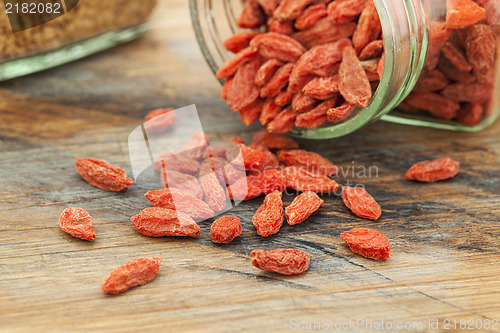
232	65
242	156
226	172
290	9
322	87
367	243
463	13
271	161
281	27
175	199
251	113
432	171
134	273
361	203
470	114
180	162
323	32
274	141
181	181
259	183
269	111
272	45
308	160
277	82
243	91
269	216
299	179
160	222
368	28
102	174
239	41
454	74
269	6
266	71
225	229
316	117
468	92
159	120
372	50
431	81
282	261
455	57
284	121
252	15
435	104
77	223
310	16
343	11
196	146
214	194
340	113
226	87
303	103
480	48
302	207
354	85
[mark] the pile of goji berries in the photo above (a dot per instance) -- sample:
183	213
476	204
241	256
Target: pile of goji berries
231	169
315	63
460	69
319	60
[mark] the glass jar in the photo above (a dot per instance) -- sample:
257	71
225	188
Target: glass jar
412	32
43	34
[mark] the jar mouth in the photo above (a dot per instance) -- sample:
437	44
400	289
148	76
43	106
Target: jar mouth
404	30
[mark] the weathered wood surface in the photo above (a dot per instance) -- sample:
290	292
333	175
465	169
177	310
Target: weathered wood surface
445	236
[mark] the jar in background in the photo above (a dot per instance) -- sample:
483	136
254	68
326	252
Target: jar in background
417	46
87	27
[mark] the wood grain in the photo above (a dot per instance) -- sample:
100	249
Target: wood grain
445	236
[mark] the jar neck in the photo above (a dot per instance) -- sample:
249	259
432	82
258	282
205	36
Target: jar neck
404	27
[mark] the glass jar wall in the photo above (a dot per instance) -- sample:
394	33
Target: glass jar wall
439	68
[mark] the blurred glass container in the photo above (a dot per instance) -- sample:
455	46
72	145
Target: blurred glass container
72	30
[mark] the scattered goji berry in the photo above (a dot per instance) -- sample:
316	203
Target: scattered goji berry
160	222
367	243
175	199
282	261
77	223
102	174
259	183
183	182
196	146
214	194
274	141
271	161
242	156
159	120
299	179
225	229
308	160
302	207
432	171
361	203
180	162
134	273
269	216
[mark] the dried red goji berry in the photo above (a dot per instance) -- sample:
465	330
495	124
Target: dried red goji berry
322	87
269	216
277	82
102	174
272	45
310	16
196	146
281	27
251	113
259	183
160	222
455	57
181	181
266	71
159	120
308	160
354	85
214	194
242	156
431	81
239	41
468	92
284	121
271	161
368	28
178	162
372	50
299	179
290	9
316	117
302	207
480	47
251	16
77	223
435	104
274	141
226	87
284	97
226	172
343	11
175	199
269	6
323	32
361	203
463	13
243	91
432	171
452	73
134	273
282	261
340	113
232	65
303	103
470	114
367	243
269	111
225	229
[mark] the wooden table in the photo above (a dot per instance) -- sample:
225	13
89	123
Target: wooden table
445	236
